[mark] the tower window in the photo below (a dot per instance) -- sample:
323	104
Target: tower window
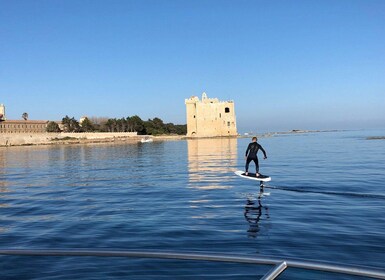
227	110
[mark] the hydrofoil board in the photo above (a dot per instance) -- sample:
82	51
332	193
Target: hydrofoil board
251	176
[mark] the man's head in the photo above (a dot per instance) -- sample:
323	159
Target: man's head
254	139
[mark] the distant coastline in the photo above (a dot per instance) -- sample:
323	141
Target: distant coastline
376	138
32	139
294	131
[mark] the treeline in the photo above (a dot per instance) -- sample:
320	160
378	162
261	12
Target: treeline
154	126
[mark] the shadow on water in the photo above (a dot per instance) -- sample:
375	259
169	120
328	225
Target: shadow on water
346	194
253	213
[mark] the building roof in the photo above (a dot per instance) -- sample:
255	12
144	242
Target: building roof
24	122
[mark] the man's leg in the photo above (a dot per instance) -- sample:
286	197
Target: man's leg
248	160
256	167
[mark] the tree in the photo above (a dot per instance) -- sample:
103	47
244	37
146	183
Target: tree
134	123
66	121
87	125
159	126
53	127
75	126
25	116
70	124
155	126
171	128
129	124
111	125
138	124
150	128
121	125
99	123
181	129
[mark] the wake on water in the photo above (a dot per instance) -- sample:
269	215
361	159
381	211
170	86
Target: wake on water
306	190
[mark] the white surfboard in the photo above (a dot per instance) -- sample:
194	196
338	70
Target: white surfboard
251	176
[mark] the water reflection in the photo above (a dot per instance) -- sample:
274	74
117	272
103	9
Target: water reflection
3	172
3	182
254	212
209	160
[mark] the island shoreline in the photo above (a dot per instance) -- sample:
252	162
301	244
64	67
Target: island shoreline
40	139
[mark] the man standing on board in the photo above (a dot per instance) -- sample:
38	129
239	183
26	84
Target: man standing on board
251	155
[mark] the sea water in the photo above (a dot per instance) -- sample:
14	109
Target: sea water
326	202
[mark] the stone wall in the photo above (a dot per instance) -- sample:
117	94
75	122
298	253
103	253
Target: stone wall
17	139
210	117
23	126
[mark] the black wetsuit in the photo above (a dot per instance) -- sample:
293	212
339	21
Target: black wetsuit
251	154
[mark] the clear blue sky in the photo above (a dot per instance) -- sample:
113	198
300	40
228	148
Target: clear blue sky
307	64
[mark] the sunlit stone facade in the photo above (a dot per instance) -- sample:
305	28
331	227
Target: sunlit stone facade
2	112
22	126
210	117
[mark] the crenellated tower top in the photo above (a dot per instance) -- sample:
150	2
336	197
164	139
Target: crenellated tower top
2	112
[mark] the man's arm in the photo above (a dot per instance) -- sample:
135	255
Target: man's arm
263	151
247	150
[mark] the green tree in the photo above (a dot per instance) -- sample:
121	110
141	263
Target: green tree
66	121
155	126
70	124
134	123
111	125
99	123
158	123
121	125
130	126
181	129
138	125
87	125
53	127
149	127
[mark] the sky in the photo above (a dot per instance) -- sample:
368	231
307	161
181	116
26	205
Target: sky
301	64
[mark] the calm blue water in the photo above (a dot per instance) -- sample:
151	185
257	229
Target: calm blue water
326	201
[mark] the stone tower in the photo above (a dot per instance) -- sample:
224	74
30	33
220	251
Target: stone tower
2	112
210	117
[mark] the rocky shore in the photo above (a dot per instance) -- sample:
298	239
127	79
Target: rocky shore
27	139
